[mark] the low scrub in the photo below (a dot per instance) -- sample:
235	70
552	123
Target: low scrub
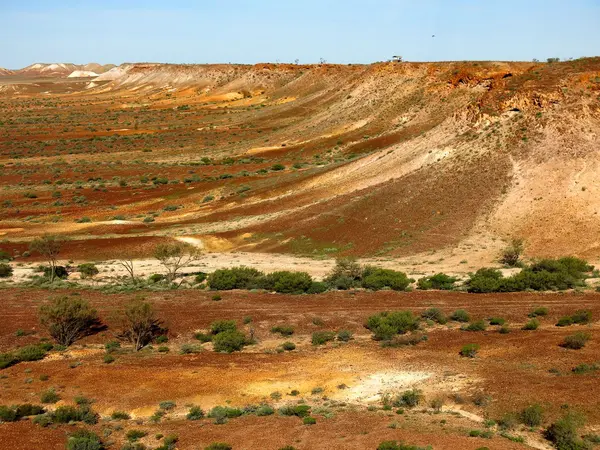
544	275
84	440
395	445
439	281
469	350
576	341
17	412
386	325
322	337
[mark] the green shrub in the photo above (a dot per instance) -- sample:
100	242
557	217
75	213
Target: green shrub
532	416
218	446
408	399
344	335
434	314
288	346
221	326
585	368
322	337
7	360
221	412
533	324
478	325
17	412
309	421
135	435
317	287
386	278
284	330
540	311
264	410
395	445
564	321
484	280
108	359
203	337
286	282
564	433
582	317
59	272
6	270
512	253
167	405
439	281
460	315
195	413
229	341
67	319
576	341
120	415
386	325
49	396
295	410
88	270
235	278
84	440
469	350
112	346
200	278
156	278
31	353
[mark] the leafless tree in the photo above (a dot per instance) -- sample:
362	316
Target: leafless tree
128	265
48	246
175	256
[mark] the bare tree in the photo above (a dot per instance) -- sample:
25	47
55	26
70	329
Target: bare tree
128	265
175	257
140	324
48	246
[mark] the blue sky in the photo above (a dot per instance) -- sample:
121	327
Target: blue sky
250	31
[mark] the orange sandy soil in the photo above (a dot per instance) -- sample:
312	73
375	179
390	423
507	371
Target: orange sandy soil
512	369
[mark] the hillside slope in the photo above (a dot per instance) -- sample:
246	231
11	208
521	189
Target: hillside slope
384	159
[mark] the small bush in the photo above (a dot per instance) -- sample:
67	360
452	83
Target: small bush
221	326
439	281
564	321
582	317
585	368
386	325
6	270
386	278
200	278
284	330
229	341
7	360
167	405
540	311
309	421
408	399
469	350
322	337
286	282
31	353
564	433
67	319
195	413
88	270
512	253
576	341
497	321
533	324
460	315
84	440
288	346
49	396
478	325
532	416
135	435
434	314
218	446
14	413
297	410
395	445
344	335
108	359
120	415
235	278
317	287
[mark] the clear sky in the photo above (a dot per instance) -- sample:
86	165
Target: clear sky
250	31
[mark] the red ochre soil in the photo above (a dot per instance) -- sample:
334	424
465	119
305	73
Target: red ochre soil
512	369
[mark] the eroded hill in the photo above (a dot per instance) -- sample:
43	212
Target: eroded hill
381	160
